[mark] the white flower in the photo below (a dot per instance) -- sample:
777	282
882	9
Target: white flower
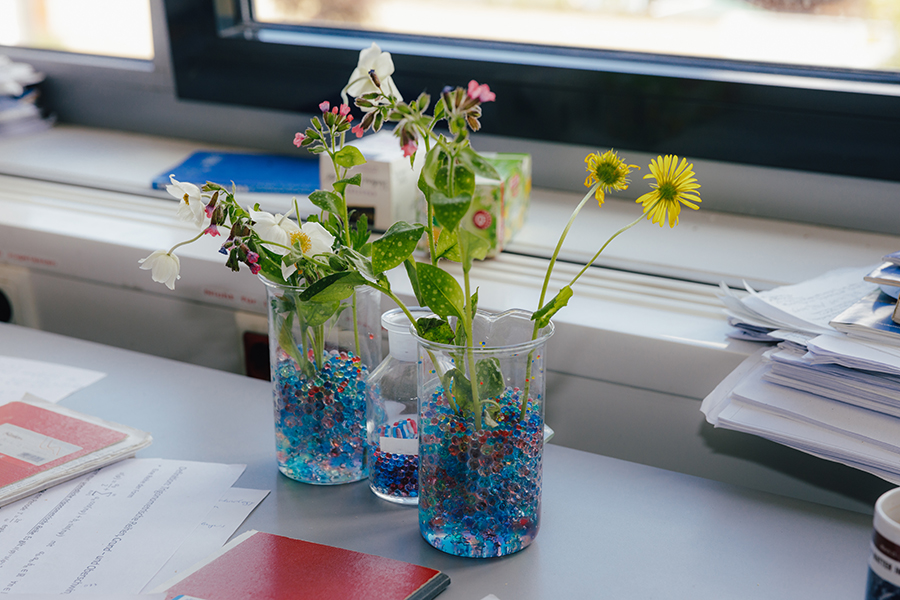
274	228
372	59
192	208
320	241
313	239
164	267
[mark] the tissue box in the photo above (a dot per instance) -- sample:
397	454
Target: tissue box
499	209
388	192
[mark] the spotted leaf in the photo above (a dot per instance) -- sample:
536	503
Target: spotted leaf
440	291
395	246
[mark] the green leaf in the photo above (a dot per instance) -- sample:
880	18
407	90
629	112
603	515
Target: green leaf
360	236
286	339
341	185
328	201
459	338
447	246
435	330
395	246
412	274
433	161
458	388
489	378
473	302
448	212
333	288
440	291
318	313
463	180
543	315
478	164
349	156
360	262
475	246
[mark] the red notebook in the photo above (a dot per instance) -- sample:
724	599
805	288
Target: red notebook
263	566
43	444
34	439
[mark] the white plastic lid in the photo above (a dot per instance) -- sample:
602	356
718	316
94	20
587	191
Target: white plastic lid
401	343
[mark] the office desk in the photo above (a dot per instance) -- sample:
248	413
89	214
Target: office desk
610	529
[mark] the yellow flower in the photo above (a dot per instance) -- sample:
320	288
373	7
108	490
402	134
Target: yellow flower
675	185
608	171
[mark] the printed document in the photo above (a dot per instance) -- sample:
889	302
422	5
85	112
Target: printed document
109	531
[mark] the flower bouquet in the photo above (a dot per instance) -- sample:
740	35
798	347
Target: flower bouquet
480	374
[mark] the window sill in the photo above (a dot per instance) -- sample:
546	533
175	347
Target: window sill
76	203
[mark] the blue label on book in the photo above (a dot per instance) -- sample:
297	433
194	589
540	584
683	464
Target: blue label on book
261	173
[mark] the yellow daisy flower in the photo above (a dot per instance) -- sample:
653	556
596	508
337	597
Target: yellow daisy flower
675	185
607	170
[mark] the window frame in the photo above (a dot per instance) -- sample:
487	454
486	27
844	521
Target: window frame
834	121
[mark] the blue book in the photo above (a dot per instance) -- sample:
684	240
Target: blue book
870	319
260	173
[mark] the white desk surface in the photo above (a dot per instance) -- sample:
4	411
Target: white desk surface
610	529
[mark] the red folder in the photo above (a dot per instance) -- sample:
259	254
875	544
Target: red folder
263	566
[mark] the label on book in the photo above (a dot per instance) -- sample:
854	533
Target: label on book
34	448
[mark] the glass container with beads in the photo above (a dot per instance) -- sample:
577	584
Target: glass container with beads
393	413
320	355
481	436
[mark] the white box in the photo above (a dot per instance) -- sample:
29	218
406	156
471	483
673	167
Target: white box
388	192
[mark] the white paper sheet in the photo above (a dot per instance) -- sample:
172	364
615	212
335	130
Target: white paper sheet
810	305
49	381
220	524
109	531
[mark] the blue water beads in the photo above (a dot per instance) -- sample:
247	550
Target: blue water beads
320	421
480	491
394	476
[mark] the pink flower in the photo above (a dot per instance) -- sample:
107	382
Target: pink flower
298	139
481	92
345	110
334	110
358	130
209	209
255	268
252	257
212	230
325	106
409	148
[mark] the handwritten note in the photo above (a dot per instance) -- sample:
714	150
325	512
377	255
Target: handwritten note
209	536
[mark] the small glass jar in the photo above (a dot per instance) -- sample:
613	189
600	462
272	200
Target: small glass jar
393	414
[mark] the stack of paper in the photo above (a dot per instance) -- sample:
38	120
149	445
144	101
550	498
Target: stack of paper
846	433
819	390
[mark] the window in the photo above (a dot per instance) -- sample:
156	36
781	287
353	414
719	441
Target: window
837	119
104	27
854	34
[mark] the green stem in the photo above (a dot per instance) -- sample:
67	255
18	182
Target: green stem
185	243
559	244
437	366
355	326
602	248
